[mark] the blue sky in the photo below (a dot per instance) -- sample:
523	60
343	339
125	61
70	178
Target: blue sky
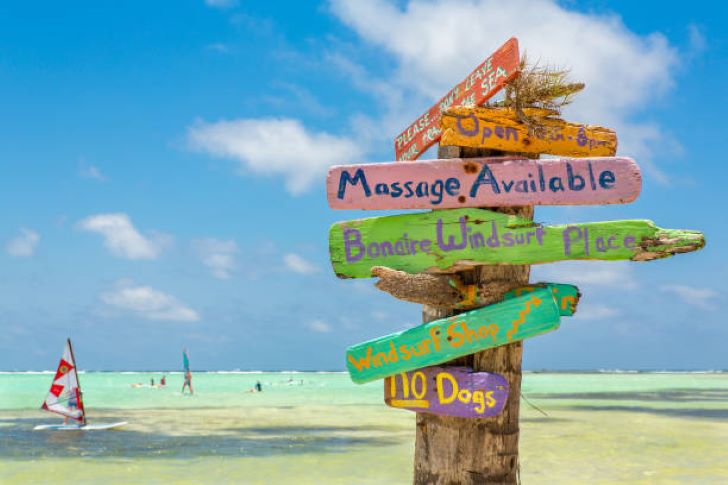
162	171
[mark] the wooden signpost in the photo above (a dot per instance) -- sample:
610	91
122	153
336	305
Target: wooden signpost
462	238
448	391
480	85
518	318
478	182
462	257
500	129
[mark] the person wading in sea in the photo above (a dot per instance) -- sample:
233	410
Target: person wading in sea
188	382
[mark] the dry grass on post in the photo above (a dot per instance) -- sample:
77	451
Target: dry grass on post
538	86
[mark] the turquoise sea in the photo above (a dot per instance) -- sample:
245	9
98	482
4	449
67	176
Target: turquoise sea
321	428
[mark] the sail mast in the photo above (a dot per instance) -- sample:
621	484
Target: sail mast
79	398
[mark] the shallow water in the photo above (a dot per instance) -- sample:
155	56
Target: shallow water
321	428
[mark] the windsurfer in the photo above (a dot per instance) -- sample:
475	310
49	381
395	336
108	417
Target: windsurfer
72	406
188	382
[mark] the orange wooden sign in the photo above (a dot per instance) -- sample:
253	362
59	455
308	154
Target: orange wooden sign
486	80
500	129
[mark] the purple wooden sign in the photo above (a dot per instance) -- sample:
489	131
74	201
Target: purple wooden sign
447	391
484	182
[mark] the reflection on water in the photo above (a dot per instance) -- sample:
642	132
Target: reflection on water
191	434
20	443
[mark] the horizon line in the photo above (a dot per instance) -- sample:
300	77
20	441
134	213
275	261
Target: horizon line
340	371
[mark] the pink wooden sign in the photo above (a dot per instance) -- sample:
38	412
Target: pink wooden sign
448	391
484	182
480	85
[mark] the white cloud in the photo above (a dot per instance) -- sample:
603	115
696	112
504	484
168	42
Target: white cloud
698	42
221	3
698	297
219	47
218	255
609	274
148	303
596	312
24	244
92	172
318	326
298	264
437	43
275	147
122	238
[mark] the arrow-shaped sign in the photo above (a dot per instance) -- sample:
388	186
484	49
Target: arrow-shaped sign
442	340
450	240
480	85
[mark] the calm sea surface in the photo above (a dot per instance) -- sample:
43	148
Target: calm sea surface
321	428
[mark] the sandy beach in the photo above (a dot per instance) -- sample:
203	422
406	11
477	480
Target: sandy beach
321	428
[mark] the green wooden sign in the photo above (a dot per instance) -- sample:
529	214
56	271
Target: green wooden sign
566	296
451	240
514	319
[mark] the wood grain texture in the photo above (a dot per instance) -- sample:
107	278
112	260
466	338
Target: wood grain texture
447	391
445	291
478	182
449	240
515	319
479	86
452	450
449	291
499	128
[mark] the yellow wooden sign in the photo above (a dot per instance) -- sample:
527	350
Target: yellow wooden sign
536	131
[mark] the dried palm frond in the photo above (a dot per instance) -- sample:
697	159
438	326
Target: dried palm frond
539	87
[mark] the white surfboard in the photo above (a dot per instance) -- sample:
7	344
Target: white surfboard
79	427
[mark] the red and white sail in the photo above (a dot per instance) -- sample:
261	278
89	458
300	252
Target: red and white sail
64	396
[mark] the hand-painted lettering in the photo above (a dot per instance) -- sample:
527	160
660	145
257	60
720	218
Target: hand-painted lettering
483	182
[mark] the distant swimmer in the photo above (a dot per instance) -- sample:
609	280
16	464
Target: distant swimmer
188	382
258	387
151	382
163	381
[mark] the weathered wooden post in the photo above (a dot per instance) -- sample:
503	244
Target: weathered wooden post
461	372
482	450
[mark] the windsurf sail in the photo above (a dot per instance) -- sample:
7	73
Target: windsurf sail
64	397
185	361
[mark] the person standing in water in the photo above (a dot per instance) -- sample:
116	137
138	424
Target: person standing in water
188	373
258	387
72	405
188	382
